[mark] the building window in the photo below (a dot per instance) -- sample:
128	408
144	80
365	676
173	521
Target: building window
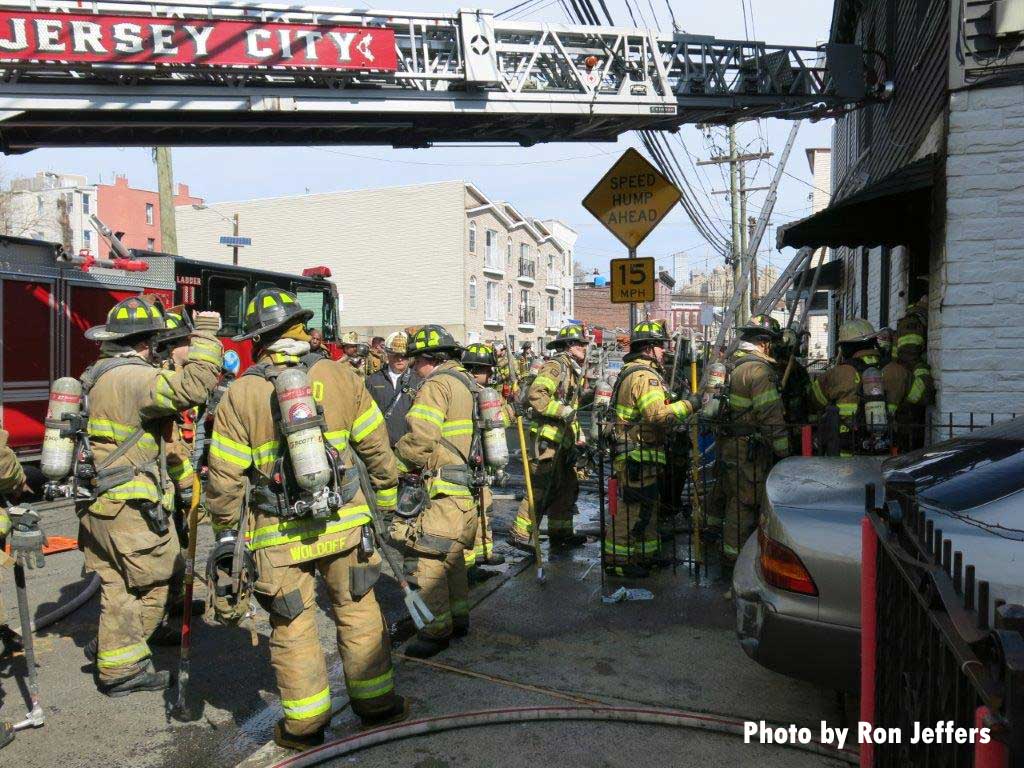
524	251
39	205
87	238
472	237
85	203
510	293
150	244
551	304
472	292
508	254
492	256
149	213
551	266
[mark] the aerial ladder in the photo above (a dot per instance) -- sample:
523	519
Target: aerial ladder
129	73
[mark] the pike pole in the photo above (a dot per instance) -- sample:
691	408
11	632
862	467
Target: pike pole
180	708
696	504
538	556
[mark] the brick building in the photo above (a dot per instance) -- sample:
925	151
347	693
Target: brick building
136	212
593	305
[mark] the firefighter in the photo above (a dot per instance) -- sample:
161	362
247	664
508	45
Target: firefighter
752	433
377	359
290	546
912	333
884	340
797	387
504	369
437	450
12	485
354	353
526	357
394	386
909	391
125	533
555	432
480	360
644	419
853	396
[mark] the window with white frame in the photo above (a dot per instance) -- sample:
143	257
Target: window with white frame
491	257
85	202
472	237
510	299
87	238
472	292
149	213
508	255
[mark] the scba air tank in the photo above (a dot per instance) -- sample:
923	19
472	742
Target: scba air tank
873	390
301	427
495	444
59	452
602	399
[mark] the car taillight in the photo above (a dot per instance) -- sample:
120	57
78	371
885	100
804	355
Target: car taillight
782	568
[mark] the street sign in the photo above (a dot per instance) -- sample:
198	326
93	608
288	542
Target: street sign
632	280
632	198
235	242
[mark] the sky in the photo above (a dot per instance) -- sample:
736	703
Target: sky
544	181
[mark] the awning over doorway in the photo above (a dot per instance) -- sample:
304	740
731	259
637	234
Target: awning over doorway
895	210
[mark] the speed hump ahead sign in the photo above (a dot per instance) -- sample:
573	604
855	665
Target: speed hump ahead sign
632	198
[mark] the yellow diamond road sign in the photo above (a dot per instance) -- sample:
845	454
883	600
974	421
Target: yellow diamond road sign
632	198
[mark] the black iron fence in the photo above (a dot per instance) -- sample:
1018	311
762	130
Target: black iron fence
945	649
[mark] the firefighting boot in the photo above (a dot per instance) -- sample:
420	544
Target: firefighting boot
91	648
146	679
628	571
300	743
570	541
6	734
494	559
398	713
425	647
460	626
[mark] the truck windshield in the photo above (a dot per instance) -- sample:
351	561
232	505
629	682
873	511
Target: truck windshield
320	303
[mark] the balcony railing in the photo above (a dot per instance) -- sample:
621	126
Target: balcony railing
527	315
527	269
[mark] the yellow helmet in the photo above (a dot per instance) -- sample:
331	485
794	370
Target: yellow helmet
853	331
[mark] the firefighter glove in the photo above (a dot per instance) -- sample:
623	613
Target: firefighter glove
27	540
567	413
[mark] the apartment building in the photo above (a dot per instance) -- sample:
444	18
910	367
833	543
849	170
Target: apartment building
428	253
58	207
51	206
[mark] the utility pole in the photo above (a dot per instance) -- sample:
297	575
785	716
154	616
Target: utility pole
234	249
165	186
755	280
738	192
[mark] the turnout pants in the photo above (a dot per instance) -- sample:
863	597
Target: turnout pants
483	542
135	566
435	562
288	593
744	469
633	530
555	488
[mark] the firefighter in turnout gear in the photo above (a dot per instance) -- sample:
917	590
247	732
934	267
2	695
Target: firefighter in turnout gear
254	439
853	396
912	333
12	485
480	361
644	419
377	360
796	390
753	431
125	533
551	398
438	449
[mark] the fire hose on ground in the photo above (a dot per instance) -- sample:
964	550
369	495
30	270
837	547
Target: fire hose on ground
636	715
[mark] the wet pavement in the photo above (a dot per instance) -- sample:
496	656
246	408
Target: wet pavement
677	650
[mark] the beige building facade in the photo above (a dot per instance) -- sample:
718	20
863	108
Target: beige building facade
429	253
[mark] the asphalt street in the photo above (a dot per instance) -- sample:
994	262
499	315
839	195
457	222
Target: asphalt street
677	650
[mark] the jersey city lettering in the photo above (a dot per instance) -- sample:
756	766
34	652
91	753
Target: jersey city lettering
46	35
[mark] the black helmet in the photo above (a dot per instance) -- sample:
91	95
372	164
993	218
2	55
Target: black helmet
479	355
229	599
272	310
130	317
648	332
179	326
431	338
761	326
570	334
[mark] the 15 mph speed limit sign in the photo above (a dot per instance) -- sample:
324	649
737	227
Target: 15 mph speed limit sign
632	280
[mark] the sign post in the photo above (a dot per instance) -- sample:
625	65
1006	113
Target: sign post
630	201
235	241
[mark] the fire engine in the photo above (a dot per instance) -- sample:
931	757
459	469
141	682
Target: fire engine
48	299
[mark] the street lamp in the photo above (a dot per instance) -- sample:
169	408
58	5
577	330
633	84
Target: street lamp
233	221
